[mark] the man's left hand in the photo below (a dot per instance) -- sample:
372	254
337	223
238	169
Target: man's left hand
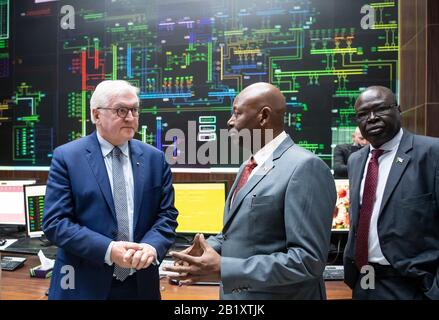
141	259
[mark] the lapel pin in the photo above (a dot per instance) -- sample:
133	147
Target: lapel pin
399	160
138	164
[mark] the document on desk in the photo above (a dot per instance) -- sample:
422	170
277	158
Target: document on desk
164	273
7	244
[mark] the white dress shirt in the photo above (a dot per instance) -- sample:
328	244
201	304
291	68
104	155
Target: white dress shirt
264	155
385	164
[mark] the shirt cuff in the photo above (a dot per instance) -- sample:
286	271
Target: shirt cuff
108	254
155	262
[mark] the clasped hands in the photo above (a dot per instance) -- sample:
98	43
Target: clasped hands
199	262
132	255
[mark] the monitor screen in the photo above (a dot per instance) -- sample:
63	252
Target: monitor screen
12	204
340	217
34	201
200	207
190	59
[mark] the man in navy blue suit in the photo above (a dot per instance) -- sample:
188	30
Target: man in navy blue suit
109	205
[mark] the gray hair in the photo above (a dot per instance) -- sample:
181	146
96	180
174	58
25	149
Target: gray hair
106	91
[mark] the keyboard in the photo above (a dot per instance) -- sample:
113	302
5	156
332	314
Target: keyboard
31	246
12	263
333	273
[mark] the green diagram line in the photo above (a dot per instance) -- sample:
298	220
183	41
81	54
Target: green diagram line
313	73
380	26
143	133
298	55
209	61
333	51
233	33
4	11
382	4
154	110
114	62
388	48
264	31
371	63
93	16
35	118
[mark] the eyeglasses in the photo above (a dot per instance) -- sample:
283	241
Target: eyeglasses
378	112
122	112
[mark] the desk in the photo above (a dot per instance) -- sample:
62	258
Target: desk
18	285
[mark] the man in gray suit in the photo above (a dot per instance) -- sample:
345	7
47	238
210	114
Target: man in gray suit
393	246
277	218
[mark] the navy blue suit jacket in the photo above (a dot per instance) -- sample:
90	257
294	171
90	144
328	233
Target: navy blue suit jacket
79	216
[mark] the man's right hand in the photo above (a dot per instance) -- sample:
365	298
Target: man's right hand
119	250
194	250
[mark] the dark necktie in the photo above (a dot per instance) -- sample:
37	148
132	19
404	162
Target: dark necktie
251	164
121	206
369	196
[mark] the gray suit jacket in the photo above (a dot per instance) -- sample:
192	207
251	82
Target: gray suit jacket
275	239
408	223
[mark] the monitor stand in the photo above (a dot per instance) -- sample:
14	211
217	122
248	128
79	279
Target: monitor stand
44	241
12	232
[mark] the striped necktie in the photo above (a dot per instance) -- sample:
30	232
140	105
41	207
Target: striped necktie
121	206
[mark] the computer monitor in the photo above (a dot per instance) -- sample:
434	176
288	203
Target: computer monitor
340	217
200	206
12	211
34	202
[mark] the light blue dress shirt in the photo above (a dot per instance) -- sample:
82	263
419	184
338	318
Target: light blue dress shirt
106	149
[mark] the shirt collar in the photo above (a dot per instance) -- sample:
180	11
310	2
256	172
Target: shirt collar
107	147
263	154
391	144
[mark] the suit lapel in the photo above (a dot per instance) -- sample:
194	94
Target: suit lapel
139	172
239	197
399	165
97	165
254	181
358	168
231	191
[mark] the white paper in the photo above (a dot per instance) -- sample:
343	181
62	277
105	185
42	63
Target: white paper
46	263
7	244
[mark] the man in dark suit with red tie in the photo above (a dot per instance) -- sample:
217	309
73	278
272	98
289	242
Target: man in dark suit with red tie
393	246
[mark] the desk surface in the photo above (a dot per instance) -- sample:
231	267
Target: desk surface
18	285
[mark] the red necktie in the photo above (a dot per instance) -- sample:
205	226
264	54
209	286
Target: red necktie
369	195
251	164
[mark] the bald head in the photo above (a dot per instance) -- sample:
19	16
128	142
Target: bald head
377	92
260	107
264	95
